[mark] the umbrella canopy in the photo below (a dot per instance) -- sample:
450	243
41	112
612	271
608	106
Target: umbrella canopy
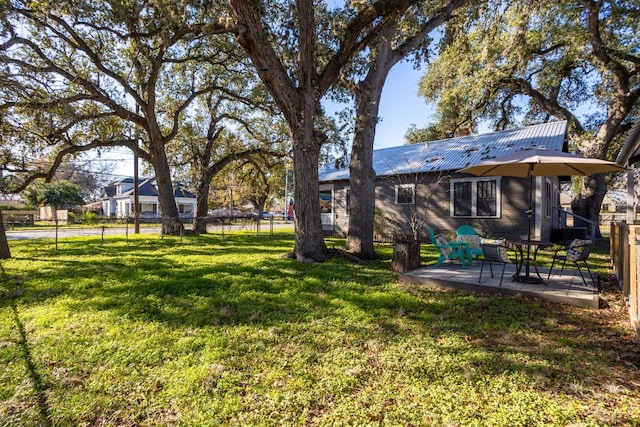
540	162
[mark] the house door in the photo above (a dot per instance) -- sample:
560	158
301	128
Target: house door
326	206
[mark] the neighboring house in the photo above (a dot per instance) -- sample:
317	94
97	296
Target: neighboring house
118	199
614	201
419	183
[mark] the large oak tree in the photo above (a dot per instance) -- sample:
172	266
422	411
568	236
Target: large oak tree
299	53
409	35
97	75
574	60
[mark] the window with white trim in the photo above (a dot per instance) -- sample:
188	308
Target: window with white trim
475	197
405	194
347	201
548	199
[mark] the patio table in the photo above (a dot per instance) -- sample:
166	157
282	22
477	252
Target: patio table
532	247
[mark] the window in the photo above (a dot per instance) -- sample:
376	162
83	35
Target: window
405	194
548	199
475	197
347	201
487	200
326	204
462	199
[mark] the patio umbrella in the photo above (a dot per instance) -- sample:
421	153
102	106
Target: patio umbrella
532	162
539	162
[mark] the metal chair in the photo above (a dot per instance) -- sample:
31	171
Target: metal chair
495	252
577	252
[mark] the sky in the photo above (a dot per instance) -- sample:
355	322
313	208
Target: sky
401	106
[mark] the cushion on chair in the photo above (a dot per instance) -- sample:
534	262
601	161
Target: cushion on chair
500	242
498	250
502	251
442	242
576	248
472	240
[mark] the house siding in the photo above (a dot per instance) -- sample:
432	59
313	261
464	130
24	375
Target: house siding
433	208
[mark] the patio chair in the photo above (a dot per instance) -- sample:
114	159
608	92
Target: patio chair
466	233
496	253
577	252
449	250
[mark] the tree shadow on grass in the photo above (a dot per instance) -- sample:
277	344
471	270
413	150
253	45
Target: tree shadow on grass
40	386
544	341
553	344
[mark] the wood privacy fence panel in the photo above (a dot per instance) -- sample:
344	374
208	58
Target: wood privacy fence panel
635	301
625	257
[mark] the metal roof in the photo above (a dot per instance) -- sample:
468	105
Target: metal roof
455	153
630	152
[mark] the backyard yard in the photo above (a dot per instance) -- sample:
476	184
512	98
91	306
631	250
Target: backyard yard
224	330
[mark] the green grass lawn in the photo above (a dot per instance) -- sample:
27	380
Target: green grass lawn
225	331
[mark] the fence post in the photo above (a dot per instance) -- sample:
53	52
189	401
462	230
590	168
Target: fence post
633	274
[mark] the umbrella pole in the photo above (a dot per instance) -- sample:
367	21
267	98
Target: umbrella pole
529	212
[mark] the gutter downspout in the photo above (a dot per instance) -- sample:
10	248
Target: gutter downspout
628	157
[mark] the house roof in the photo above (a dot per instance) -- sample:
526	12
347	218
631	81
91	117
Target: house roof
109	191
630	152
147	187
455	153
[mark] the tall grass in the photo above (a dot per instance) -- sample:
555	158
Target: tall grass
224	330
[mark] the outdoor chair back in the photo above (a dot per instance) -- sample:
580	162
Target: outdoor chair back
448	251
466	233
495	252
577	253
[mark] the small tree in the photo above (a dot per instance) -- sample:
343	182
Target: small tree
58	195
406	254
422	192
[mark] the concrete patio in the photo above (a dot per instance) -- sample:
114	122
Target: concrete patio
566	289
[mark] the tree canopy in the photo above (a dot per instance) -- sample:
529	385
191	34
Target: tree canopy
299	49
514	62
100	75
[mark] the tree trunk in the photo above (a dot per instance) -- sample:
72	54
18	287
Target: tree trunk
406	256
171	224
202	204
362	176
589	201
5	253
309	240
593	189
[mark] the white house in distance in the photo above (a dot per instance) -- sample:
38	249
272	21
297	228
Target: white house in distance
118	199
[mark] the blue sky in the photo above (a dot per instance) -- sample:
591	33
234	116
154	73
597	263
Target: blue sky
401	106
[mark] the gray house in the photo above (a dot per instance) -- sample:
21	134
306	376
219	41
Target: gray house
417	185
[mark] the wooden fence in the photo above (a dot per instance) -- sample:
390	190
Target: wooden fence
625	257
19	217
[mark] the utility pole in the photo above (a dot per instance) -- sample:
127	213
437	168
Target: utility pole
136	196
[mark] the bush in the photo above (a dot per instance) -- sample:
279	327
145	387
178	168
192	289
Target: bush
89	217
